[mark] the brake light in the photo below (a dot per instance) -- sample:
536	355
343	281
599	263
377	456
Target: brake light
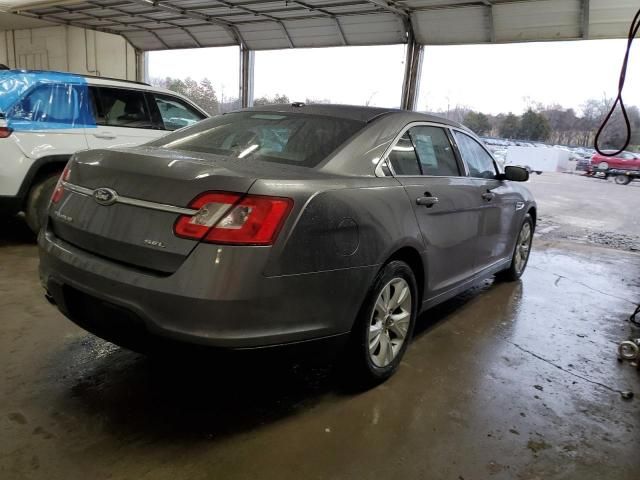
229	218
59	190
5	130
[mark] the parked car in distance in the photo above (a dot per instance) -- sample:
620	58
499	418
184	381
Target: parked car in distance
284	224
622	161
45	117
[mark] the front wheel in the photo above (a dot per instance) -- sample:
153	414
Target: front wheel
520	256
603	166
384	326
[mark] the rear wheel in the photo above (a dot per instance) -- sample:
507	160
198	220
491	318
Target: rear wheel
38	201
622	179
384	326
521	253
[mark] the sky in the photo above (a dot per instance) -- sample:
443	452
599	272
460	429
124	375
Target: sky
487	78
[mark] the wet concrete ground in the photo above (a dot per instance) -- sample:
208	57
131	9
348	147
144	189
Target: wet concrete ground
587	210
508	381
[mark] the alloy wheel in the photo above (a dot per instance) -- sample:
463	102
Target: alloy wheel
523	247
389	323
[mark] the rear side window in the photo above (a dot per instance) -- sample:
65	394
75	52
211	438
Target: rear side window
288	138
117	107
175	113
403	158
477	159
434	151
57	105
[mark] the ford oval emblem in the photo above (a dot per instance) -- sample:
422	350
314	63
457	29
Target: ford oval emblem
105	196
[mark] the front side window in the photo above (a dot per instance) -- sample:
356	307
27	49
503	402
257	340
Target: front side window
434	151
175	113
122	108
477	159
288	138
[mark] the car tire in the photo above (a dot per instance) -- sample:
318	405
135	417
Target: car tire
622	179
603	166
522	247
394	293
38	201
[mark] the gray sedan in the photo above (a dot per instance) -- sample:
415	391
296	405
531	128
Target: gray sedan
283	224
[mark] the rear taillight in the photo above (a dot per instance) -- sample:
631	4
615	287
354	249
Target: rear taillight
59	190
5	130
229	218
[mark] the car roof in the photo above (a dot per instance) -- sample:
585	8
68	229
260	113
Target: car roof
34	76
351	112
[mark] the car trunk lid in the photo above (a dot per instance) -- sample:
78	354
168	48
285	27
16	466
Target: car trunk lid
123	204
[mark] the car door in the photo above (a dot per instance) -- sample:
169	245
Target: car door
123	118
444	200
500	202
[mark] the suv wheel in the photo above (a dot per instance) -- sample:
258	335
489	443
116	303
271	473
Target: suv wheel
384	326
38	201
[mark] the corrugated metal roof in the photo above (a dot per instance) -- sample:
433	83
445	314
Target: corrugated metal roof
269	24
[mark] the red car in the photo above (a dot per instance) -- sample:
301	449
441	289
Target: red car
622	161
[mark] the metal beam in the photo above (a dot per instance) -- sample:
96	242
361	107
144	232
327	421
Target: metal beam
259	13
167	7
412	73
247	62
586	10
286	35
343	39
390	7
490	25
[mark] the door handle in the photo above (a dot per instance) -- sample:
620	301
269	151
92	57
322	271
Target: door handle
105	135
488	196
427	201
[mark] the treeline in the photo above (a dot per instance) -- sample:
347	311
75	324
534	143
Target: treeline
553	124
204	94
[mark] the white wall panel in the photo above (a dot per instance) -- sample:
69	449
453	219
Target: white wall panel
68	49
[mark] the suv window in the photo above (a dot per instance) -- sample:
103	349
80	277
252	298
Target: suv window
434	151
403	158
175	112
52	104
117	107
477	159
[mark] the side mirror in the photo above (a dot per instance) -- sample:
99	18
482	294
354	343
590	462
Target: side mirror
515	174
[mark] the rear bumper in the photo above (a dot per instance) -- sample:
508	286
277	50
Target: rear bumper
218	297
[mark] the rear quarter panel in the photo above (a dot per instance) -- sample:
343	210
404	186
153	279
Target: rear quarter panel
341	224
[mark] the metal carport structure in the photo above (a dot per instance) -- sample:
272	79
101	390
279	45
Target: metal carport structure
280	24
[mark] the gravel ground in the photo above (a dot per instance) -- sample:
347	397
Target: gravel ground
587	210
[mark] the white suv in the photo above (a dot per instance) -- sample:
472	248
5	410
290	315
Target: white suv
45	117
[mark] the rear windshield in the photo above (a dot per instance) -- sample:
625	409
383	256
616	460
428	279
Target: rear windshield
289	138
